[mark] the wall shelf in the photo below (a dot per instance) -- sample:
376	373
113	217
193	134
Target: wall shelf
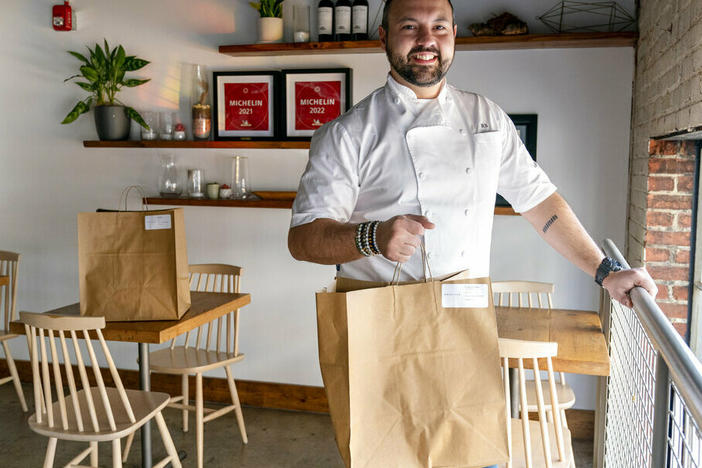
268	200
260	144
527	41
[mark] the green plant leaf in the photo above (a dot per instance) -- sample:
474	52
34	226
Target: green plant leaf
107	48
133	63
85	86
89	73
79	57
99	55
256	6
134	82
81	108
119	59
135	115
74	76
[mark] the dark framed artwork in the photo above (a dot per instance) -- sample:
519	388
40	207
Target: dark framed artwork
245	105
314	97
526	127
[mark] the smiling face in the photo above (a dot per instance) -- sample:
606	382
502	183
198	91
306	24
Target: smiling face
420	43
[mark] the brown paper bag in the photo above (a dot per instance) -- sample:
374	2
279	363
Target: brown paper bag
133	265
412	374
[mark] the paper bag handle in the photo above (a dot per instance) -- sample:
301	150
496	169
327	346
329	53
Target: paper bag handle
125	196
425	264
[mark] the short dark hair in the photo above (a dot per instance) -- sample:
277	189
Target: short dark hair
386	12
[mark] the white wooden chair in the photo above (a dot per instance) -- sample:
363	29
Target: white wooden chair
211	351
9	262
94	413
542	443
530	294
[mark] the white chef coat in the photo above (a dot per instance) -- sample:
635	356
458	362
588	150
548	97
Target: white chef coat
443	158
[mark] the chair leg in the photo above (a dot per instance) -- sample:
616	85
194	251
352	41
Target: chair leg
116	454
127	447
186	400
199	423
94	454
167	441
237	404
50	452
15	377
563	418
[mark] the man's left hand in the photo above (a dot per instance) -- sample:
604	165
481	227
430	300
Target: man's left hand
619	283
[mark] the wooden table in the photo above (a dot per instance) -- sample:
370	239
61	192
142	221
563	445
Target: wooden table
205	307
4	280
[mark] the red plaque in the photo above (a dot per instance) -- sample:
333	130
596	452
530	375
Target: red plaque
316	103
246	106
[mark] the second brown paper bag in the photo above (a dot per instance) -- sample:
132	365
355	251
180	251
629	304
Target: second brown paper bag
412	374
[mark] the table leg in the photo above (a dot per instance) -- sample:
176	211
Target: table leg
145	384
514	391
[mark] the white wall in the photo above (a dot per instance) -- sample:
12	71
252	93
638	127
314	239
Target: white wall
582	98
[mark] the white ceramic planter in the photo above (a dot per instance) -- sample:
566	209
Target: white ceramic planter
270	30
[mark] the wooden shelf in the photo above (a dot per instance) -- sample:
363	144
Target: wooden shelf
265	144
527	41
268	200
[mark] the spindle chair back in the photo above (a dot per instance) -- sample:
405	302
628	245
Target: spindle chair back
9	264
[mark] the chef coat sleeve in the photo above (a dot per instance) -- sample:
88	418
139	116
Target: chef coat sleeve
521	181
329	186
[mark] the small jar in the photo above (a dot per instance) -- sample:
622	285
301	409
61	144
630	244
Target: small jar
179	131
213	190
225	192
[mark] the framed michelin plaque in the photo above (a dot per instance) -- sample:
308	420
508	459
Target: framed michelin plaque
245	105
314	97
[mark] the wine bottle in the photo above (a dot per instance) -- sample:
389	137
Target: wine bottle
325	20
359	20
342	20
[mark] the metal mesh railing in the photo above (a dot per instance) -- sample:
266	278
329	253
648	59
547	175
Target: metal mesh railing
654	391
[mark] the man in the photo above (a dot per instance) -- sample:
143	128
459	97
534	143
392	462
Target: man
424	160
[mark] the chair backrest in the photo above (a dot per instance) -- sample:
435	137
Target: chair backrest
9	262
58	330
541	292
521	350
219	278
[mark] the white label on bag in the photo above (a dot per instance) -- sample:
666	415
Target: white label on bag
154	222
474	296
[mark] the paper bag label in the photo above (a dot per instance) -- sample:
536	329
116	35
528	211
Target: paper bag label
154	222
474	296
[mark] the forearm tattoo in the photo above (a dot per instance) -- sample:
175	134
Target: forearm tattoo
549	223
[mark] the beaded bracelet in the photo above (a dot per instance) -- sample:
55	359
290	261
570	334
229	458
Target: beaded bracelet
374	241
361	230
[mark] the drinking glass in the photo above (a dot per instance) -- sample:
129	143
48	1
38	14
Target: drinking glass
241	181
151	119
168	184
195	183
301	23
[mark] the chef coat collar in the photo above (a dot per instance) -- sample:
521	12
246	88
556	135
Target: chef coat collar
407	96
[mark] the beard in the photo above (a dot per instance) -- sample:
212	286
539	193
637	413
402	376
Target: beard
419	75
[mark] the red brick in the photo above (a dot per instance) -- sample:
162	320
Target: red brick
665	147
688	148
680	293
685	184
684	220
669	273
669	202
681	328
681	239
670	166
682	256
657	255
673	310
661	184
658	219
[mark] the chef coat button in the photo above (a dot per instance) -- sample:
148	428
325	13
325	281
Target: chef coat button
462	131
421	176
466	211
468	170
463	253
427	213
428	254
397	100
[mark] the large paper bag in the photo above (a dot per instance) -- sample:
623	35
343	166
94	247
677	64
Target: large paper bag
133	265
412	374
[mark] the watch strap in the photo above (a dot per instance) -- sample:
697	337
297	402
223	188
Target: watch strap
607	266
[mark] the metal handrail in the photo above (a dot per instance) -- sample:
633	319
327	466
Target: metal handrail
684	368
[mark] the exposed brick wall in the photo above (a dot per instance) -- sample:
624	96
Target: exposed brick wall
667	98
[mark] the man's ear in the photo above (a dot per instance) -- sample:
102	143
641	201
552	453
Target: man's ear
382	35
455	29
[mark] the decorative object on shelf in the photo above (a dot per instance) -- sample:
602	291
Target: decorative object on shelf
270	21
505	24
169	185
195	183
225	192
167	122
325	21
241	180
213	190
572	16
179	131
103	72
202	113
245	104
342	20
150	131
314	97
301	23
526	127
359	20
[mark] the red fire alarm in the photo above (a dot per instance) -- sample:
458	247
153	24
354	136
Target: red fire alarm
62	17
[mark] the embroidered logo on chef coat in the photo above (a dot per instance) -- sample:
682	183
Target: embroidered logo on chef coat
483	125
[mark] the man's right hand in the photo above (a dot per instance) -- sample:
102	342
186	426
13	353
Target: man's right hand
398	237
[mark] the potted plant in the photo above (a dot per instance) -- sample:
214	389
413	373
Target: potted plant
102	75
270	21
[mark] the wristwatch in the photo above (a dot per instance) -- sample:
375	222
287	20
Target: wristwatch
607	266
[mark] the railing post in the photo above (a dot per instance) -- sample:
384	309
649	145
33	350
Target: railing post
659	452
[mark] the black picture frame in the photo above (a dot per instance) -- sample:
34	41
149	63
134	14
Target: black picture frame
526	125
220	79
288	111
